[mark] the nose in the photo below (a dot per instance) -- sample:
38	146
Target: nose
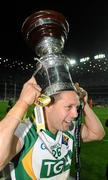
74	112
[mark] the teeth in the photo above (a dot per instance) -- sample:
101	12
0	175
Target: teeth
68	121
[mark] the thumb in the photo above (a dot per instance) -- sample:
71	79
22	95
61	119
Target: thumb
32	80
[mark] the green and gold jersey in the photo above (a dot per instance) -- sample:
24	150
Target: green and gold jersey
43	155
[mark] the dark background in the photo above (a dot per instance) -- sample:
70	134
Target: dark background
88	22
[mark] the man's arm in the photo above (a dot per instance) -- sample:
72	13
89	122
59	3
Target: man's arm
92	129
9	143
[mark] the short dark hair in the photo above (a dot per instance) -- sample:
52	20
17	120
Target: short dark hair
55	98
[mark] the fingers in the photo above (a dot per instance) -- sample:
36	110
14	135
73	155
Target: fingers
37	87
80	90
30	92
77	85
32	80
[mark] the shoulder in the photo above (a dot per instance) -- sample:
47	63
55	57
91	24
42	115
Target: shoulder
23	128
26	132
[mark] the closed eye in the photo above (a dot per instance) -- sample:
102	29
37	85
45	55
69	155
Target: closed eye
68	107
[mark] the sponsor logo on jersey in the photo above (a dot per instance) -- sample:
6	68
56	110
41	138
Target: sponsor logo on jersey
52	168
43	147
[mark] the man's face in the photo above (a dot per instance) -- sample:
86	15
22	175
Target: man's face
63	111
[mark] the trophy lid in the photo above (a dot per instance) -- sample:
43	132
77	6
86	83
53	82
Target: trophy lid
44	25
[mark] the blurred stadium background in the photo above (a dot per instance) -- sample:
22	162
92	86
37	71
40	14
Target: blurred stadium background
92	74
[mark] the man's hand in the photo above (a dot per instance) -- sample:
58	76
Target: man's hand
30	92
82	93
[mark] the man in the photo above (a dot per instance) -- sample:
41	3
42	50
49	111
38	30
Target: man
48	153
10	104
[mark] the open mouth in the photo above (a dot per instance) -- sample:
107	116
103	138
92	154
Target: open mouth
68	122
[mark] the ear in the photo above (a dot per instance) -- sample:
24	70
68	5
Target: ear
48	107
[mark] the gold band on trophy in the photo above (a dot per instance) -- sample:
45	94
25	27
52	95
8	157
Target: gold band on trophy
43	100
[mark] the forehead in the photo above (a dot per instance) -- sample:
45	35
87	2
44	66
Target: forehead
69	96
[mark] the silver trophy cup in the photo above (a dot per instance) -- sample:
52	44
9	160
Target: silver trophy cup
46	32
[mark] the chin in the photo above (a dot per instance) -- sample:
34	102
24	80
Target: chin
65	129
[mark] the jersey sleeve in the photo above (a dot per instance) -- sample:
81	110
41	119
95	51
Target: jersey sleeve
22	130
